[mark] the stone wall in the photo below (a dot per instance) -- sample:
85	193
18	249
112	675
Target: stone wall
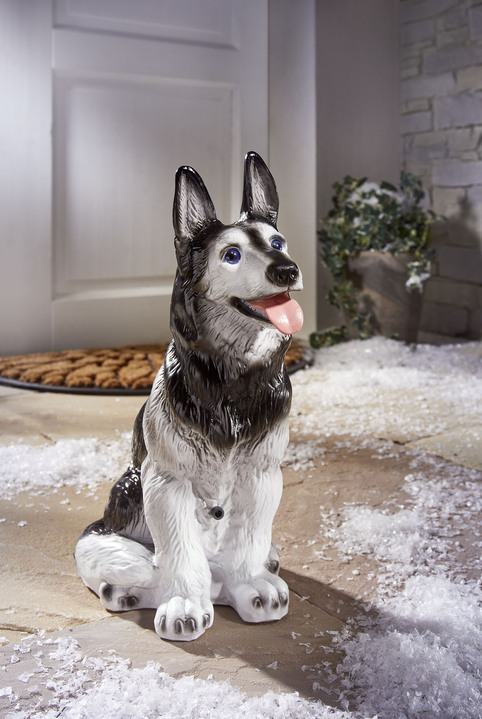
442	143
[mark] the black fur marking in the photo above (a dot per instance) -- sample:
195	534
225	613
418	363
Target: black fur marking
260	196
125	505
139	451
221	409
129	601
97	527
272	566
106	592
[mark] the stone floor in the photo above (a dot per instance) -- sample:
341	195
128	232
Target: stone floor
41	591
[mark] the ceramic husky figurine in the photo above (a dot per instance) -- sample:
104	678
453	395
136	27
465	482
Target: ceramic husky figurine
189	524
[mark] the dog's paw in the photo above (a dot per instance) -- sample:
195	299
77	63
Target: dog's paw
118	599
182	620
261	599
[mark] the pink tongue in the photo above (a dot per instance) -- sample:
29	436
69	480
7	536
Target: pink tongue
283	312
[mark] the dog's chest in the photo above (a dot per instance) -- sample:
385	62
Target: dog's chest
226	486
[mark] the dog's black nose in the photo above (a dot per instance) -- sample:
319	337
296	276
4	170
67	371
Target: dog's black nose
283	274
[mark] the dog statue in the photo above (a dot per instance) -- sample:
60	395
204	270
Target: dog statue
189	523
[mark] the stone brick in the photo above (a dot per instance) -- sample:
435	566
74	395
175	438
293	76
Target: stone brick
450	292
447	200
428	146
451	57
413	11
431	138
464	140
460	263
406	144
426	153
409	61
415	52
409	72
469	78
453	37
416	106
416	122
459	110
416	32
475	21
456	232
457	174
474	195
452	20
475	324
431	86
444	319
474	203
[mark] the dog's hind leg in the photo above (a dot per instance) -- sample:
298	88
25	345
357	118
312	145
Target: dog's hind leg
272	563
119	570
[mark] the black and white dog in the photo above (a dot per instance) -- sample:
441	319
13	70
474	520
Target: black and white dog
189	524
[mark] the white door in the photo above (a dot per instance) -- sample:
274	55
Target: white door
102	101
140	88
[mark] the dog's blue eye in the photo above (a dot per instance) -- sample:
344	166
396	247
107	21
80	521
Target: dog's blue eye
232	256
277	245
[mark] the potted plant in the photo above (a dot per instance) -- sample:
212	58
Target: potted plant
375	242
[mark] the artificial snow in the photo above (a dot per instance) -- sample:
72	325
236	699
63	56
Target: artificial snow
415	652
382	388
90	687
418	650
81	463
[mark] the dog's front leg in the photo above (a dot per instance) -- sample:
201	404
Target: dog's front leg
239	572
186	610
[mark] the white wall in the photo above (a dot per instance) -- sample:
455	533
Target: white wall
358	105
292	136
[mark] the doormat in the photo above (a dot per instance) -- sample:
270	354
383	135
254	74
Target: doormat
118	371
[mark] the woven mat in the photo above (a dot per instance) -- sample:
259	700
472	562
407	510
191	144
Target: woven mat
126	370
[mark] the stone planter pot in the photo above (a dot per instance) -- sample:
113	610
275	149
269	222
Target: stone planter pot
393	310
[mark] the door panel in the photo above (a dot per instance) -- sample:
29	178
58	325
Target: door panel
209	21
134	100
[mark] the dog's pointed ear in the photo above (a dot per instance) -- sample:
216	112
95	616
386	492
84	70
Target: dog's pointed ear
192	211
260	196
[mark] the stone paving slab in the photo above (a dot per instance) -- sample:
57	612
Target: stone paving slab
40	588
462	445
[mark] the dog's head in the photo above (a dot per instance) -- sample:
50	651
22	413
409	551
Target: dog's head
232	279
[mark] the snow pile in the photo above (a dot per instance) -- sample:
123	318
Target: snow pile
418	650
382	388
301	456
81	463
91	687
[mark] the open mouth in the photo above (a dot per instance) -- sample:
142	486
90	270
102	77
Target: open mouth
279	310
